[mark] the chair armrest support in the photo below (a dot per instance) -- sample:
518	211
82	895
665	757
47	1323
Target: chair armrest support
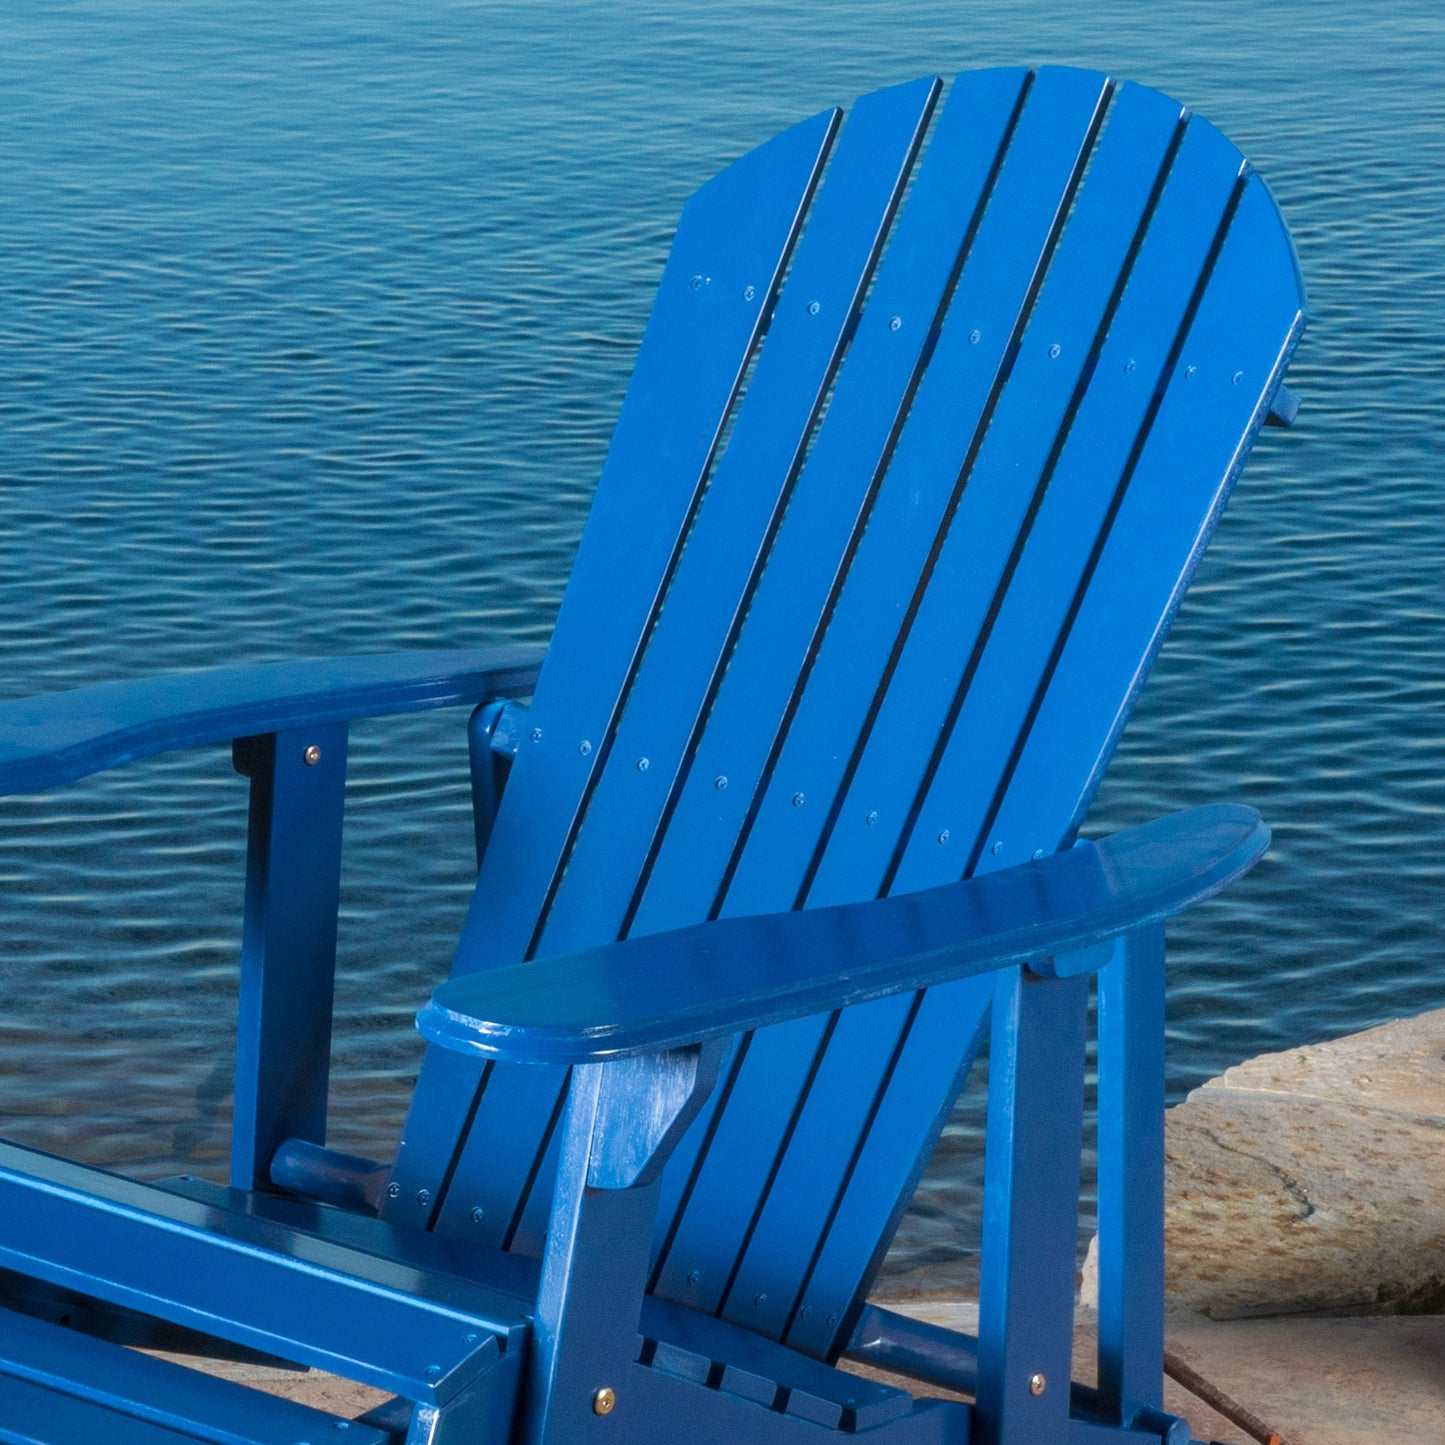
665	990
288	724
54	739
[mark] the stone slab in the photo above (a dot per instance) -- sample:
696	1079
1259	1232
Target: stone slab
1312	1181
1361	1381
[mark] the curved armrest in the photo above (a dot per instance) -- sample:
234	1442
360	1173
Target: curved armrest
664	990
55	739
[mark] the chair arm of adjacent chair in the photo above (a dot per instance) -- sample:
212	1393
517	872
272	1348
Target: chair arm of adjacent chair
55	739
665	990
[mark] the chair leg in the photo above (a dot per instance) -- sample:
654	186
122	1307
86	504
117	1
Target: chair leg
622	1121
1131	1175
1030	1214
288	942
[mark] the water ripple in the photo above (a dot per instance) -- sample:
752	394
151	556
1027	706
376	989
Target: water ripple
313	330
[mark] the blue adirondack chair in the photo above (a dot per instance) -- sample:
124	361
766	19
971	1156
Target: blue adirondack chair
901	501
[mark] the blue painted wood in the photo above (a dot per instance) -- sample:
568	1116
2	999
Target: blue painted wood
733	241
51	740
750	484
428	1254
993	293
1095	454
734	238
489	770
644	1104
1030	1209
346	1180
998	685
1034	816
909	1117
251	1282
937	1356
1284	409
57	1384
714	1342
1131	1176
1009	489
1247	324
41	1413
712	980
623	1119
890	1341
590	1298
826	512
993	298
816	1393
1009	468
288	942
750	487
832	498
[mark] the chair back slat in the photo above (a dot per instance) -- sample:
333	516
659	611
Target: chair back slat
815	543
751	486
831	501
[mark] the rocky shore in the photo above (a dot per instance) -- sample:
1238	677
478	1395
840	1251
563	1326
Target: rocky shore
1312	1182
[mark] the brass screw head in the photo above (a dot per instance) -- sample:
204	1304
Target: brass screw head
604	1400
1037	1384
312	755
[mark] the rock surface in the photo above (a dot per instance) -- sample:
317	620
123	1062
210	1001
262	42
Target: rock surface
1312	1181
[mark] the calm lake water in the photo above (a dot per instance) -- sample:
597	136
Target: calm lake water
313	325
